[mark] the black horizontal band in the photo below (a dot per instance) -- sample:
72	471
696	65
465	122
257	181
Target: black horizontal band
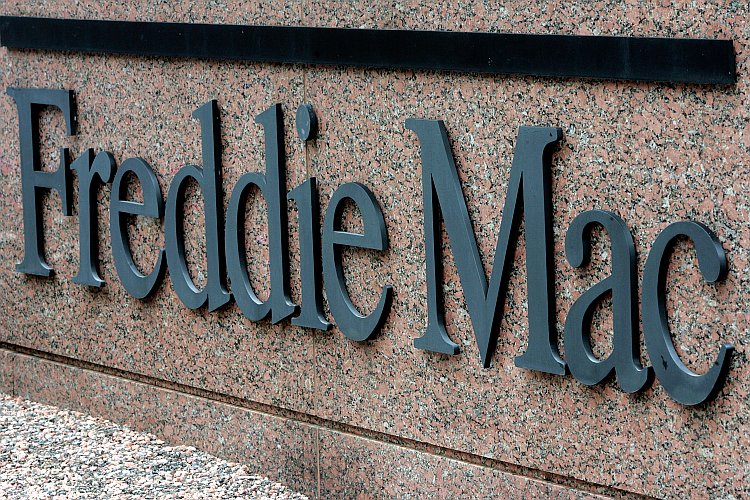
675	60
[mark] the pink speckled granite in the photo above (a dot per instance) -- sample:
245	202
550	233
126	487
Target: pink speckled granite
7	361
654	153
274	12
285	450
503	412
409	471
280	448
159	337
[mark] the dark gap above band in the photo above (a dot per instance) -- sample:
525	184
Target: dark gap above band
675	60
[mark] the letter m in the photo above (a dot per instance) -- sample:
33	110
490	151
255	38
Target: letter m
529	192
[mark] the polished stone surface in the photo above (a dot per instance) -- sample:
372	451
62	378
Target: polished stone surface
432	476
653	153
309	459
280	448
7	361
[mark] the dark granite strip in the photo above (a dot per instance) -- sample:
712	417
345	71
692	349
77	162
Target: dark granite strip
674	60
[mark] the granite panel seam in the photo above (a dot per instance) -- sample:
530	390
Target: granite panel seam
327	424
8	378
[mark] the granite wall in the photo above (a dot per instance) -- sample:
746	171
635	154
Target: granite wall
332	417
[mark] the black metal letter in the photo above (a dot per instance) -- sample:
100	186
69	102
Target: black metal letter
33	180
209	179
354	325
273	187
136	283
528	191
624	360
683	385
87	168
311	311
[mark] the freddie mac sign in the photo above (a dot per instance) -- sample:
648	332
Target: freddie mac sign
528	195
